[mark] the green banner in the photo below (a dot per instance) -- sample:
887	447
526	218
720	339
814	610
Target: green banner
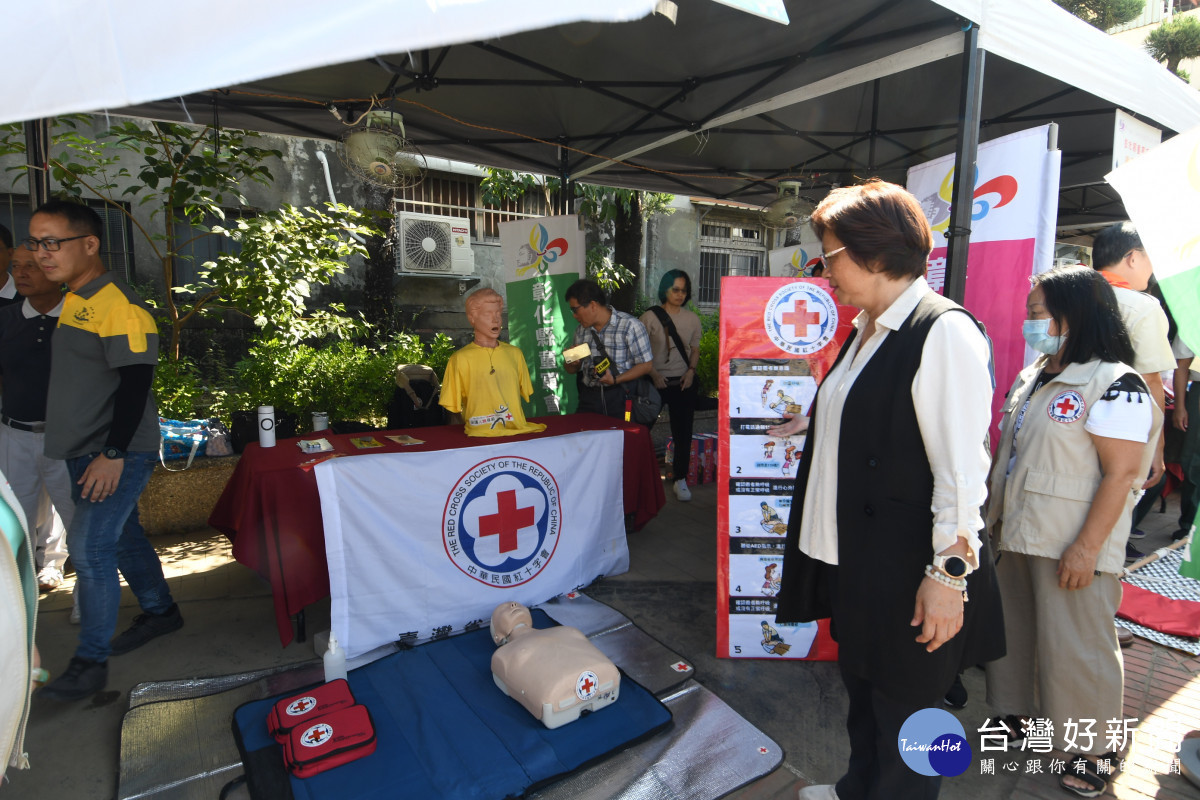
541	325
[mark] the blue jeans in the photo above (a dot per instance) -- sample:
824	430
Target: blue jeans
107	536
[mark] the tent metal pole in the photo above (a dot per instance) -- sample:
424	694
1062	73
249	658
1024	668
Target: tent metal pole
37	156
970	112
565	188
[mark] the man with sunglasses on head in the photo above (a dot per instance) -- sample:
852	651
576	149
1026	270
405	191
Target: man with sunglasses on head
101	419
620	350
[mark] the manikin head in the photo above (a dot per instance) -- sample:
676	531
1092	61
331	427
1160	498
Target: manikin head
508	621
485	310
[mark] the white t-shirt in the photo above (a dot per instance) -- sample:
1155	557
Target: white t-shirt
1123	412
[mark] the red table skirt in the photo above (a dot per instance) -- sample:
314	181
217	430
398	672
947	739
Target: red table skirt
271	511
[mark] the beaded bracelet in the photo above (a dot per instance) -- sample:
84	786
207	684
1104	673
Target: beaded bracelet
954	583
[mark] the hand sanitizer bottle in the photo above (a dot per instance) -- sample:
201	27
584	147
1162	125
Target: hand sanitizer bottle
335	660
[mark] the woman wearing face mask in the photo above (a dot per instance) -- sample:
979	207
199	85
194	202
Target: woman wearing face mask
1071	458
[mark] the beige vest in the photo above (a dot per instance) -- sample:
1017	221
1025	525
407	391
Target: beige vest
1043	504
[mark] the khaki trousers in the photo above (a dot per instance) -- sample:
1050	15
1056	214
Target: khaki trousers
1063	661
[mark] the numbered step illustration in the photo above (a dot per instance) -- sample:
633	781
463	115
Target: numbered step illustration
769	388
759	516
759	636
755	575
764	456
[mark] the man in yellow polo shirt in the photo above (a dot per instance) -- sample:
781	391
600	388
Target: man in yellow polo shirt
101	419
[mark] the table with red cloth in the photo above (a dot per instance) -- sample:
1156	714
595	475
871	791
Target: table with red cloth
271	510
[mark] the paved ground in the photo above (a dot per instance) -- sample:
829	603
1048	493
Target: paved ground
670	592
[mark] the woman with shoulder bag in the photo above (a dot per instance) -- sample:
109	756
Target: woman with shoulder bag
675	340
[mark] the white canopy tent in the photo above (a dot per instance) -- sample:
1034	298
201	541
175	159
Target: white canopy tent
720	103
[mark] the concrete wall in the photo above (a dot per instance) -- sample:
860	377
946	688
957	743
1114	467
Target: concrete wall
428	304
672	242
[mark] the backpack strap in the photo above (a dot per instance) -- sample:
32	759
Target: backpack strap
667	323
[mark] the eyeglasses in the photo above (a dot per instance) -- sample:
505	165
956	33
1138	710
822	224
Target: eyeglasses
824	257
574	309
50	244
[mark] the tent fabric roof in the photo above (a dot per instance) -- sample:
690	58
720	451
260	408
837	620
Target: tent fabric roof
720	104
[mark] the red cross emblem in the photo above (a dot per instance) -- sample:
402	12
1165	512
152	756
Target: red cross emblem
507	521
799	318
317	735
1067	407
301	705
585	687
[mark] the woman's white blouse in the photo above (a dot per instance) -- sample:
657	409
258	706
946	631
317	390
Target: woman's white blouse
952	394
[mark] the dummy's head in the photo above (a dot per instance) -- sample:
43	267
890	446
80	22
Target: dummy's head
507	620
485	312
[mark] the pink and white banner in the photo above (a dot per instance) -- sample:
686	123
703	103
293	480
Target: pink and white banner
427	543
1013	218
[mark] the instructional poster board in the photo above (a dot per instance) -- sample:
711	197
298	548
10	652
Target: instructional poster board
779	338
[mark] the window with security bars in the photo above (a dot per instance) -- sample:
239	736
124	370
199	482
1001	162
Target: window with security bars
115	249
196	246
716	264
460	197
727	248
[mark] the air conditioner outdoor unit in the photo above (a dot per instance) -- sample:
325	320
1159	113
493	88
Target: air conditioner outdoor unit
433	245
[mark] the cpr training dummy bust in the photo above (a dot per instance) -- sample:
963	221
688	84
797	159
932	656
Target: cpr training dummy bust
555	673
487	380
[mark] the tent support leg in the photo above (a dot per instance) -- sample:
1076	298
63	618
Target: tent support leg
970	112
566	190
37	156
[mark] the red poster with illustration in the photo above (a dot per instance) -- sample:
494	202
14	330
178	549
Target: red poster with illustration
779	338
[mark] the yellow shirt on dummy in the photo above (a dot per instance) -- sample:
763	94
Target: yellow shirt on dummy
486	386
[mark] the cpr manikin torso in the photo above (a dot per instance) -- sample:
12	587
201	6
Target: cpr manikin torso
555	673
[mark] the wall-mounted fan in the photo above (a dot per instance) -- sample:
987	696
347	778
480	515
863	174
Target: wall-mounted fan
789	210
377	151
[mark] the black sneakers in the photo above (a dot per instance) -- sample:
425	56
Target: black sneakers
146	627
957	696
82	679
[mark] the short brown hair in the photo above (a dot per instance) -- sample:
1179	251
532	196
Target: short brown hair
880	223
478	298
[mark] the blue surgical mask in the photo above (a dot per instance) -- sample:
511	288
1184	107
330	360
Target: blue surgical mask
1037	335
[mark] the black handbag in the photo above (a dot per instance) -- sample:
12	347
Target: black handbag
647	402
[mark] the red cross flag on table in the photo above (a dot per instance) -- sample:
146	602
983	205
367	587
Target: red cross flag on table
779	337
524	522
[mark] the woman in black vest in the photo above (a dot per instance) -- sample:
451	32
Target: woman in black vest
884	537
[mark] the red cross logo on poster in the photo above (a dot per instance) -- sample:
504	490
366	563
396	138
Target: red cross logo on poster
800	318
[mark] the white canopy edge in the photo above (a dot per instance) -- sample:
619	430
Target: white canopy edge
1035	33
84	55
936	50
1042	36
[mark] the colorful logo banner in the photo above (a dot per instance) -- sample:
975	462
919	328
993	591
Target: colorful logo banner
1014	210
542	257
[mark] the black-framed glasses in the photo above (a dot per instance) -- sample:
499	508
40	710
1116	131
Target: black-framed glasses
824	257
574	309
50	244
